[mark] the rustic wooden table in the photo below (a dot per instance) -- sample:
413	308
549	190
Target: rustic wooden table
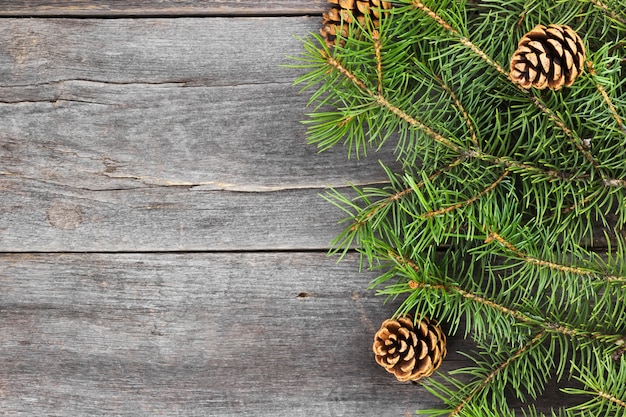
162	233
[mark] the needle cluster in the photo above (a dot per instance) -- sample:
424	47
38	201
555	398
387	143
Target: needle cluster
506	219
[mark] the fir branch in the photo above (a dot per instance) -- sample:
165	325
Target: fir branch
467	202
493	236
605	96
577	142
499	192
612	399
459	105
379	61
612	13
518	315
383	102
367	214
605	386
538	338
462	39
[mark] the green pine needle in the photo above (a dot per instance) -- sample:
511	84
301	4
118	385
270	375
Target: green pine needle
507	218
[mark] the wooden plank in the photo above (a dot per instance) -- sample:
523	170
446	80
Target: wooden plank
99	136
118	140
38	217
161	8
274	334
44	53
161	102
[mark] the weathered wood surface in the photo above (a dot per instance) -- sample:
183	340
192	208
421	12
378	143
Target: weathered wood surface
162	7
121	137
172	151
193	334
249	334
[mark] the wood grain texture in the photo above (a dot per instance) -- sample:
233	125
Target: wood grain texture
238	334
120	138
194	335
39	217
44	53
153	7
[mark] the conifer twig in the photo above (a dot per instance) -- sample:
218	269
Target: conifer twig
534	99
467	202
459	105
437	137
381	204
611	13
618	340
462	39
382	101
605	96
493	236
379	61
483	384
536	261
491	172
609	397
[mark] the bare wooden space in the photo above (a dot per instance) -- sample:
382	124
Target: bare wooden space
162	234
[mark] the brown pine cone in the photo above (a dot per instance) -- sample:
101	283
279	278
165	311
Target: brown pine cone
335	20
408	351
548	56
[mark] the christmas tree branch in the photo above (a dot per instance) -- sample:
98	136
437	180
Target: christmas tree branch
421	6
613	14
605	386
382	101
467	202
501	187
379	61
367	214
457	103
493	236
612	399
605	96
538	338
534	99
577	333
577	142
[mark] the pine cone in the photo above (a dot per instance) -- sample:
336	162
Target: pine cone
548	56
335	20
407	351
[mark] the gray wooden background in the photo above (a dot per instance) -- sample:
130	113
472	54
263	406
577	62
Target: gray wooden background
162	236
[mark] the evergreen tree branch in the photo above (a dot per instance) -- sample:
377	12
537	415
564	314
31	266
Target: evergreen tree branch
577	142
612	399
518	315
538	338
605	386
437	137
611	13
467	202
459	105
493	236
487	225
367	214
379	61
606	97
462	39
383	102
